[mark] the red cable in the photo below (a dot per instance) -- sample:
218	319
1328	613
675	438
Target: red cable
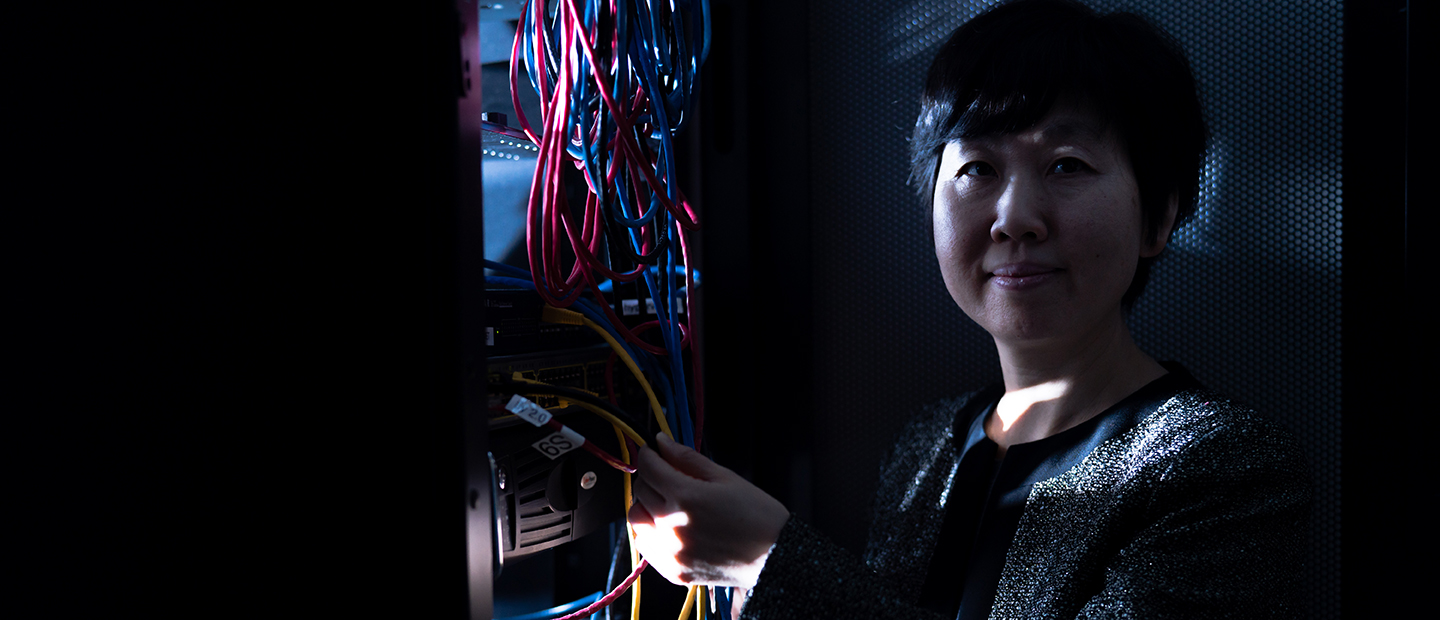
590	447
608	598
684	331
551	222
686	215
610	378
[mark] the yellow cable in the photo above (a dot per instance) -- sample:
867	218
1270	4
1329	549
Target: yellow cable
629	533
689	603
622	430
625	458
551	314
609	417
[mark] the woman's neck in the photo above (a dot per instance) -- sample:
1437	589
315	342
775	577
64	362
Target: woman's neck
1054	386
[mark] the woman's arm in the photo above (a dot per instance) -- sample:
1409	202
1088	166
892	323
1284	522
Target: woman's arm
699	523
808	576
795	571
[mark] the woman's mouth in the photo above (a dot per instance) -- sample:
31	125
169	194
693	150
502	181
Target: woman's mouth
1023	276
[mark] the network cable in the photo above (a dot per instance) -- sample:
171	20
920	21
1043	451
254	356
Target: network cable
617	80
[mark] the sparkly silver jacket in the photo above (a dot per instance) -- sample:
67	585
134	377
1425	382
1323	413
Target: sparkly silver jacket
1195	512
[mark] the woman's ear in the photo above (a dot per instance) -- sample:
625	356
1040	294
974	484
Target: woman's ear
1152	247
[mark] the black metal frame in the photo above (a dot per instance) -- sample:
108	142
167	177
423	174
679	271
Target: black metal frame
1382	325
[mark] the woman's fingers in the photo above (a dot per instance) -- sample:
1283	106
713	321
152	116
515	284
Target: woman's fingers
685	460
653	521
698	522
639	515
674	468
644	494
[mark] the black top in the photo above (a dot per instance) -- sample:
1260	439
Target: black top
987	497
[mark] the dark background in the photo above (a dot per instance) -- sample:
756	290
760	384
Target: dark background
230	235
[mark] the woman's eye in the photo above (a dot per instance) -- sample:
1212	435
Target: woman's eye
976	169
1068	165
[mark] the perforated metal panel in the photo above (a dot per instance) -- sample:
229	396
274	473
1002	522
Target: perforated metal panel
1248	297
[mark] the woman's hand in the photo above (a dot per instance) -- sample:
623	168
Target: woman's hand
699	523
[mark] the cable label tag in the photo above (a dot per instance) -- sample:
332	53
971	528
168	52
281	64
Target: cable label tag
574	436
531	412
559	443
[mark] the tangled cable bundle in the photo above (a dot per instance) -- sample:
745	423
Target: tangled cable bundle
616	81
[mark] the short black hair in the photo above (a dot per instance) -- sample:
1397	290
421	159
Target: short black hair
1003	71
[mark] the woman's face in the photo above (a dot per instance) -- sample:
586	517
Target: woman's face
1038	233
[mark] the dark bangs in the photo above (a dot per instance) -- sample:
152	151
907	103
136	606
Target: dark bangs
1002	72
1005	69
1010	85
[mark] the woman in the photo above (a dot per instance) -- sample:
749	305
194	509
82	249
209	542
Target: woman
1057	149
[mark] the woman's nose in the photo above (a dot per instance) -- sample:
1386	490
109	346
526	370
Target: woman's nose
1020	214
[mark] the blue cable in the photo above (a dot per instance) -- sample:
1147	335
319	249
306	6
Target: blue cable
584	306
513	271
672	330
644	219
559	610
650	82
647	363
608	286
656	49
639	54
662	308
723	601
677	360
662	379
684	433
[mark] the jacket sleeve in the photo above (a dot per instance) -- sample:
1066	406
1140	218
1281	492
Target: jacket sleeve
1223	534
807	576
